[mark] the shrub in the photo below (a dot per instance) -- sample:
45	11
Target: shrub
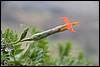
35	53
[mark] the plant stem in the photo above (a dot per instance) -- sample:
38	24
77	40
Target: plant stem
44	34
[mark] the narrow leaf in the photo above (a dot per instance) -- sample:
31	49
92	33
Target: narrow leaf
18	51
67	48
61	48
24	33
17	47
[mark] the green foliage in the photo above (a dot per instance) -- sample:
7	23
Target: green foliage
69	60
36	53
64	50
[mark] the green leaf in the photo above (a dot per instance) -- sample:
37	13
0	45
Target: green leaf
23	35
67	48
17	46
81	56
6	34
18	51
39	56
60	48
15	38
39	51
27	53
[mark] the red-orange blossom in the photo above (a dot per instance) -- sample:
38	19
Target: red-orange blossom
68	24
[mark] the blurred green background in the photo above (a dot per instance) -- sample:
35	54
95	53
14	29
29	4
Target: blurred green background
45	15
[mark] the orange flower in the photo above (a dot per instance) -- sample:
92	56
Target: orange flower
68	24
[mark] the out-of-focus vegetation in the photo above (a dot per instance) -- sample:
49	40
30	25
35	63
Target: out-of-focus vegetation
36	53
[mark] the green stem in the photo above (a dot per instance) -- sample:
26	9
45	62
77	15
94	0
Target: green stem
15	42
44	34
